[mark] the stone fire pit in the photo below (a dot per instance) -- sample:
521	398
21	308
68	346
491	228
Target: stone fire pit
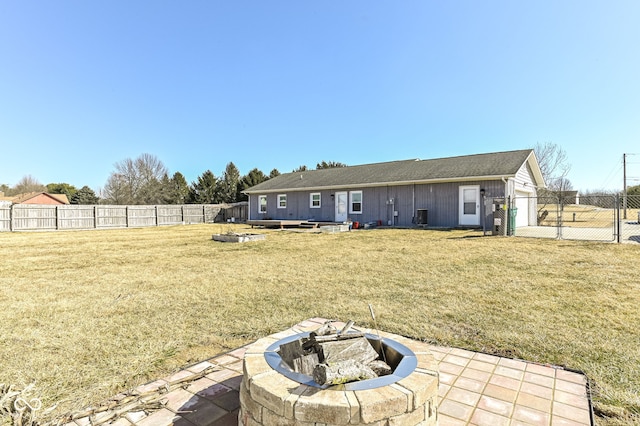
273	394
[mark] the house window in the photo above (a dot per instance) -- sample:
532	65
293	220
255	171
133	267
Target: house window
262	203
469	200
314	200
282	201
355	202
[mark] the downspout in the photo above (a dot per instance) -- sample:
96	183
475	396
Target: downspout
413	204
505	225
506	190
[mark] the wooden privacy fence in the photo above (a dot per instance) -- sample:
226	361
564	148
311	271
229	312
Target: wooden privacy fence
35	217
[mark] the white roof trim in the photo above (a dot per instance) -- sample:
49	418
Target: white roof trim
379	184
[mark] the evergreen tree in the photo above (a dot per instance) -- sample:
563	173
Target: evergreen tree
204	191
62	188
166	190
84	195
228	185
180	188
273	173
252	178
329	165
633	190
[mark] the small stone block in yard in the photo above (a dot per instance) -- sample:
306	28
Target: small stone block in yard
238	238
331	229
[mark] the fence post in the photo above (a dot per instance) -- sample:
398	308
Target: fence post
617	216
57	218
559	218
11	218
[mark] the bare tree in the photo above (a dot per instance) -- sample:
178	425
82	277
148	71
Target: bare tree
28	184
116	190
554	165
136	181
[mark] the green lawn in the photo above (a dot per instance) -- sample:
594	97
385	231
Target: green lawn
87	314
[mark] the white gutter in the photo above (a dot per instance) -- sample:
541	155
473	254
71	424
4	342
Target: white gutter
377	184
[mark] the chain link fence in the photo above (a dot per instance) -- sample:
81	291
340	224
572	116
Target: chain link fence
607	218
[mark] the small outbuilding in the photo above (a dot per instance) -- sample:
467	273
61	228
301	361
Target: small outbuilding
39	198
445	192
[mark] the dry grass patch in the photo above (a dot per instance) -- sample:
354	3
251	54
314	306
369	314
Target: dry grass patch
584	216
88	314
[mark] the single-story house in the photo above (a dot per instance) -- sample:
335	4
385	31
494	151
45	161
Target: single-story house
38	198
445	192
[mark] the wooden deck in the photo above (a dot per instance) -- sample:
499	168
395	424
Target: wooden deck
285	223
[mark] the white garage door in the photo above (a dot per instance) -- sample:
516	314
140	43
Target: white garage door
522	204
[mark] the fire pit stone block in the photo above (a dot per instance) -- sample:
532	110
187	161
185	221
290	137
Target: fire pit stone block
381	403
422	387
251	410
271	390
325	407
255	365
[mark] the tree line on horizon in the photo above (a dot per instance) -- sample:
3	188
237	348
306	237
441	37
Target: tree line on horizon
145	180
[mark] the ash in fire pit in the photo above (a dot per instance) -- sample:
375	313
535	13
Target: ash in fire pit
328	357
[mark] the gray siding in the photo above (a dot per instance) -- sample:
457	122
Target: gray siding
441	201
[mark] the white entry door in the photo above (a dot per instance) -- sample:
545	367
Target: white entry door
341	206
469	205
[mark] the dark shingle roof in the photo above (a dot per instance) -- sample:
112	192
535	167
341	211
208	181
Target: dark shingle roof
479	166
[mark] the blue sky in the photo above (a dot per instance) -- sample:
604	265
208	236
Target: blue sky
278	84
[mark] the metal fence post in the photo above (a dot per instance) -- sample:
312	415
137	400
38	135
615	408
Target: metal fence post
559	218
617	224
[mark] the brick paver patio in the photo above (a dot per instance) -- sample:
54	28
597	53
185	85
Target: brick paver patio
475	389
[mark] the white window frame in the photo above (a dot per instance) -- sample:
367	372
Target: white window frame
311	200
351	210
261	204
281	198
